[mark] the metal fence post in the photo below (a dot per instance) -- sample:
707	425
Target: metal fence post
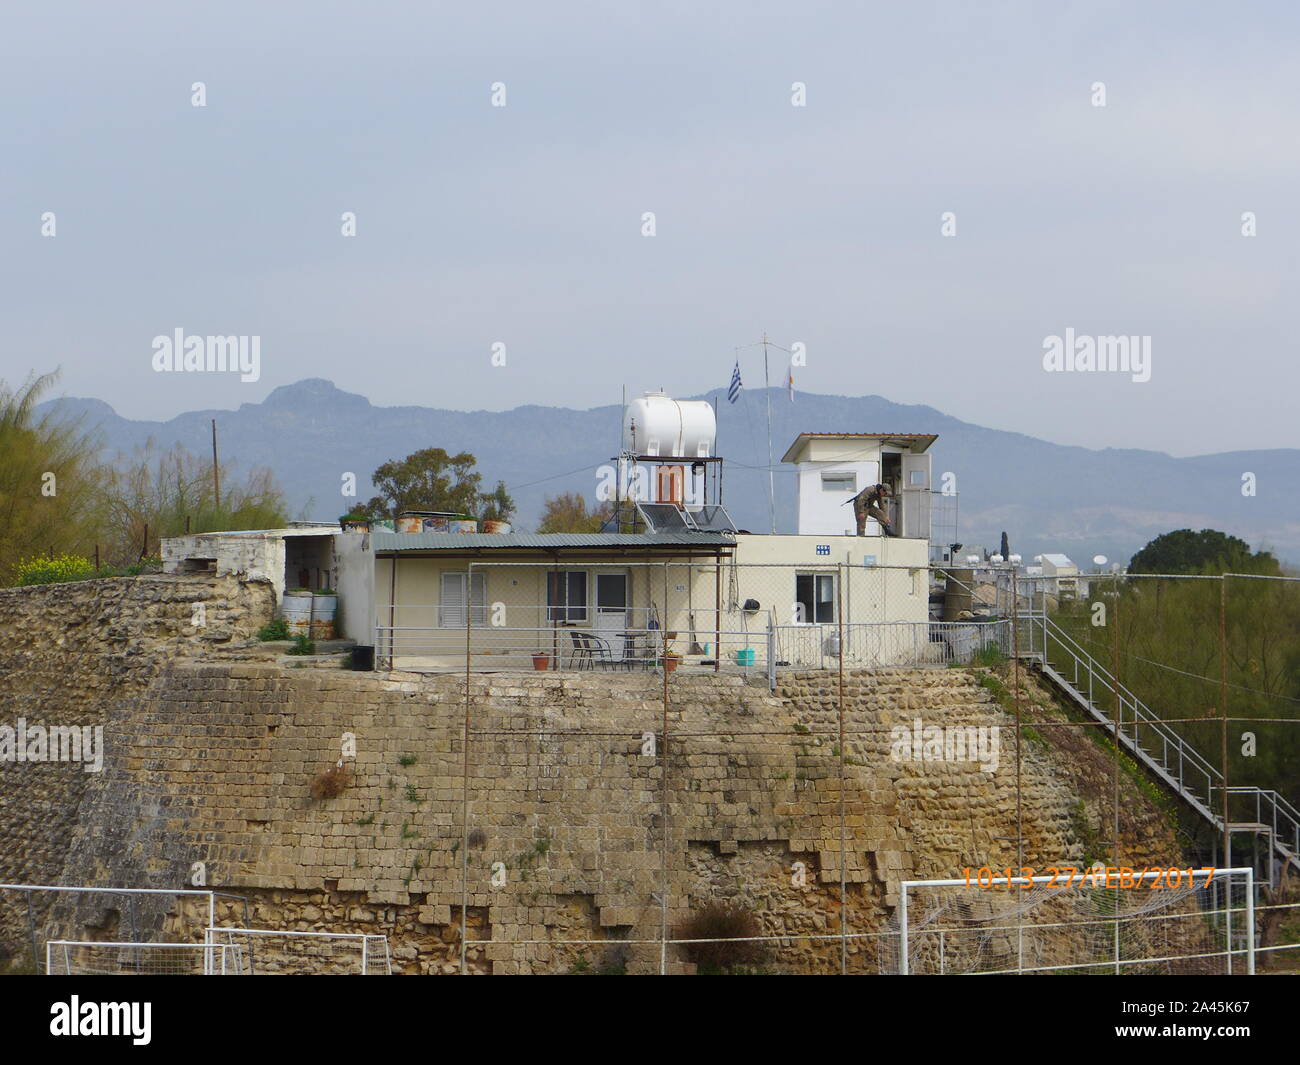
902	929
771	654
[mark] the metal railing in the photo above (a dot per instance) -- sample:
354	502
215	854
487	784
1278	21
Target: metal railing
1159	747
760	648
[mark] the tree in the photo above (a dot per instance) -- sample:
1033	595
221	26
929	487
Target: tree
431	479
497	505
1204	552
428	479
568	513
169	493
48	478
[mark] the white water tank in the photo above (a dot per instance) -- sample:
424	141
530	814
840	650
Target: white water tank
657	425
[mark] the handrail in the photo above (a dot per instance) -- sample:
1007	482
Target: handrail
1149	718
1270	806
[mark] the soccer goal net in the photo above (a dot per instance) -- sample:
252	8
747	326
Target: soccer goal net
65	957
273	952
1078	921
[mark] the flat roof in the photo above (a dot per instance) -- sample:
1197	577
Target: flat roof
385	542
907	440
323	529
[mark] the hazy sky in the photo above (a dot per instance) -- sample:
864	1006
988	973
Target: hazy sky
522	224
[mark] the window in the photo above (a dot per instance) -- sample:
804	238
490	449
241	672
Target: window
916	478
814	598
839	482
451	604
566	595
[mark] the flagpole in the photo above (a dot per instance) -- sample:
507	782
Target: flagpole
771	473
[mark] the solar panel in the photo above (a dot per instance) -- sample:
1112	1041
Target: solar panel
712	517
664	517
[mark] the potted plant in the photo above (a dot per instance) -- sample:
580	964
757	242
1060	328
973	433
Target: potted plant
324	608
355	522
541	661
296	611
671	658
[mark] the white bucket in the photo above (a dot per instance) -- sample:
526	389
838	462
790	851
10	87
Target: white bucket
296	611
323	608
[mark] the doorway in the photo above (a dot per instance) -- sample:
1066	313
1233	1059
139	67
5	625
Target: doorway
611	610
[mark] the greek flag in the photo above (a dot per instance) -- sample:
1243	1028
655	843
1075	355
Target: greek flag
733	393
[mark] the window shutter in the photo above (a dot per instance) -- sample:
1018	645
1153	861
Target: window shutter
451	604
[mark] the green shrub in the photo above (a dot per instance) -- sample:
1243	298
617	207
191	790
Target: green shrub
302	645
54	570
276	630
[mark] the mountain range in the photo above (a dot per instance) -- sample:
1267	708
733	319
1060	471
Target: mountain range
1047	497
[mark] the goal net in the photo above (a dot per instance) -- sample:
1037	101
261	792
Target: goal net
273	952
65	957
1083	921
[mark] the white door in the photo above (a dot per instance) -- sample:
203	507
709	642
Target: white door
611	610
914	507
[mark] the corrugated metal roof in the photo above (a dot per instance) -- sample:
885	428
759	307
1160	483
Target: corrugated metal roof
432	541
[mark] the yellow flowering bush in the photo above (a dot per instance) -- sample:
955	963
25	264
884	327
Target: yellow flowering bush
45	570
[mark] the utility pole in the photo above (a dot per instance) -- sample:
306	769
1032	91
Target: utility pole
771	475
216	468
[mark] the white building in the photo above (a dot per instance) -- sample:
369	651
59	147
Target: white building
1060	575
834	467
726	599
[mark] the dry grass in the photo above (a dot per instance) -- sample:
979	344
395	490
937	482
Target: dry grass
331	784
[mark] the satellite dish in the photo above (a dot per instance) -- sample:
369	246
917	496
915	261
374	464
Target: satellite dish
995	558
1099	560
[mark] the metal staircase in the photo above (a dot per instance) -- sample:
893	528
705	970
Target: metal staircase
1263	814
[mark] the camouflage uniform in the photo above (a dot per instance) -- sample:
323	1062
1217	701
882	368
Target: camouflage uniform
867	503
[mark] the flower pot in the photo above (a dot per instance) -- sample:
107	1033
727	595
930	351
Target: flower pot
296	611
671	662
541	661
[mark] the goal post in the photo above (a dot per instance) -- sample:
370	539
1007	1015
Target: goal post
271	951
68	957
1084	920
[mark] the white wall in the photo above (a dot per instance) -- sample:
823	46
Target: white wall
259	556
355	565
822	513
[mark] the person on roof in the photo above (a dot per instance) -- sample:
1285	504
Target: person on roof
870	503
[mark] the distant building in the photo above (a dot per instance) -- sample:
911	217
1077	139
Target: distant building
1060	576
